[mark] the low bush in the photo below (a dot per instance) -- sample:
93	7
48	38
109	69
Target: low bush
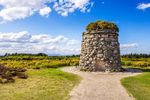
102	25
7	74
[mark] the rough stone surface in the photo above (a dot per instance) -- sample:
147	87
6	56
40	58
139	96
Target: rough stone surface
100	51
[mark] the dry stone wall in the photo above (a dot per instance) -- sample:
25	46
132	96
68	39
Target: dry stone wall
100	51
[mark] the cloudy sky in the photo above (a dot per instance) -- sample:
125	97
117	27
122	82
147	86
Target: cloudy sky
56	26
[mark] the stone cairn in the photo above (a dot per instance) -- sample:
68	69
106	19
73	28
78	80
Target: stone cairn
100	48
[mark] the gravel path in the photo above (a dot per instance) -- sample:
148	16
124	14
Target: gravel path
99	85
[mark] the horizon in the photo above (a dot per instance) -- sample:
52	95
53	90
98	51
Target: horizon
59	55
56	26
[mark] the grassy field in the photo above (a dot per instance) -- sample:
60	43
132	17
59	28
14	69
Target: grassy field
36	62
138	86
45	82
135	60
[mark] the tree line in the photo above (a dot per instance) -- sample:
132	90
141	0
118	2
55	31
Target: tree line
136	55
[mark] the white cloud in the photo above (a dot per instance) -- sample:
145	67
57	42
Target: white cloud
44	38
133	48
64	7
19	9
14	13
143	6
24	42
15	37
45	11
128	46
73	42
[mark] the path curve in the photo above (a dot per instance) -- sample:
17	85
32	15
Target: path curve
99	85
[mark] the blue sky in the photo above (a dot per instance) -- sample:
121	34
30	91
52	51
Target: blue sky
56	26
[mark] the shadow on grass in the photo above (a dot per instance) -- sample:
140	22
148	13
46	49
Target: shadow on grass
137	70
145	70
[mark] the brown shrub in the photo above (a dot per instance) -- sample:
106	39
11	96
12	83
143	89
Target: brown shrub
7	74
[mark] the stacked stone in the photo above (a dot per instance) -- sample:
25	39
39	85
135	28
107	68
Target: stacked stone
100	51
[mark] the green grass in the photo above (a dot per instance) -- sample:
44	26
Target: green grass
138	86
43	84
49	83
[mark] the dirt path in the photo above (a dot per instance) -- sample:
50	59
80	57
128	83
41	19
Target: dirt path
99	86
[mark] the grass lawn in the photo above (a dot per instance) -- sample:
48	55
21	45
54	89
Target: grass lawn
138	86
43	84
